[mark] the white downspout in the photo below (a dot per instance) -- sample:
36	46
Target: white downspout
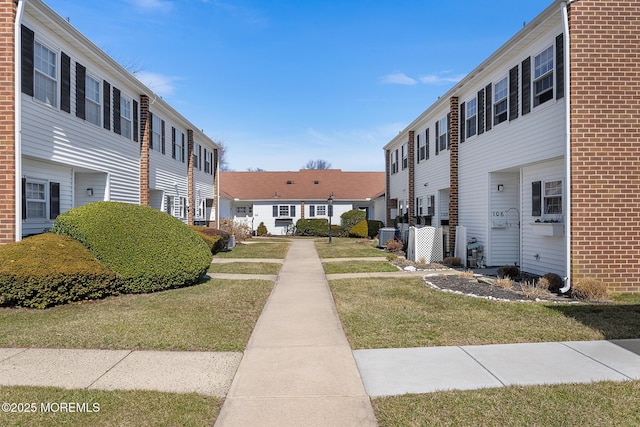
18	118
567	155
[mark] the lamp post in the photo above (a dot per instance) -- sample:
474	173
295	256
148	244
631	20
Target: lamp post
330	212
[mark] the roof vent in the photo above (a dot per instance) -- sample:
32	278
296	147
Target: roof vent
289	182
316	182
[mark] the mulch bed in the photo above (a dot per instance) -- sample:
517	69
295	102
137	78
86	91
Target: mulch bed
473	287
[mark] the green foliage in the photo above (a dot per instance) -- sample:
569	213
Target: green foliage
49	269
374	227
262	230
151	250
361	229
312	227
217	240
351	218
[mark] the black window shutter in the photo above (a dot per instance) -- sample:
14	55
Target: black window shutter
54	200
163	135
526	86
312	210
183	148
26	39
173	142
437	142
135	120
81	73
65	83
275	210
448	130
463	122
488	97
427	145
116	111
24	198
199	157
513	93
292	210
560	66
106	106
536	198
480	111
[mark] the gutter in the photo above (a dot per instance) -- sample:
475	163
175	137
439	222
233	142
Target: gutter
567	155
17	122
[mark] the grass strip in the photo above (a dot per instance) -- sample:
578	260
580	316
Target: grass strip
114	408
347	248
404	312
218	315
596	404
357	267
257	250
245	268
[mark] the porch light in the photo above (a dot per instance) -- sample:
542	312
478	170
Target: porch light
89	192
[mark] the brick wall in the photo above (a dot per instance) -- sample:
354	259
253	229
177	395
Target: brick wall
453	172
7	124
605	142
145	131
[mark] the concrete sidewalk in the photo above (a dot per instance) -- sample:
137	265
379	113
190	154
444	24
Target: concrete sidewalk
298	368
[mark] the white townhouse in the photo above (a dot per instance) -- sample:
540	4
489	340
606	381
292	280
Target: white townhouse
87	130
280	199
535	151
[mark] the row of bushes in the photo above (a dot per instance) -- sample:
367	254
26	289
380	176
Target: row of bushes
102	249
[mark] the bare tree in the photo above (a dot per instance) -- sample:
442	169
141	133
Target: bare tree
223	164
317	164
255	170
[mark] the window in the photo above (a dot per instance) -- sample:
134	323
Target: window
394	161
442	134
197	160
472	115
169	203
45	79
156	133
207	161
92	100
179	146
422	148
500	92
125	117
183	207
405	150
543	77
322	209
36	199
241	210
419	206
553	197
312	210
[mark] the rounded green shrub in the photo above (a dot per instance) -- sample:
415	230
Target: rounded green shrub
51	269
351	218
262	230
216	239
361	229
312	227
150	250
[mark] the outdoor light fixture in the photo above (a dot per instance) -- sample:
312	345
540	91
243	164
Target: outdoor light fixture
89	191
330	212
500	187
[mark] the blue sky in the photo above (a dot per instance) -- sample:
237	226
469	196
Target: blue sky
282	82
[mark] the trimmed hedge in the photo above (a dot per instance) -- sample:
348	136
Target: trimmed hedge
151	250
351	218
217	240
361	229
50	269
374	227
312	227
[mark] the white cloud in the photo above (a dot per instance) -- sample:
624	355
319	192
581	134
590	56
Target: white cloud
398	79
162	85
153	5
440	78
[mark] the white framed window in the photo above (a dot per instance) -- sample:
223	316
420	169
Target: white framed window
394	161
552	196
197	160
321	210
125	117
422	148
419	206
405	153
472	117
36	199
93	101
500	92
156	133
543	76
283	210
442	134
207	161
179	147
45	64
183	207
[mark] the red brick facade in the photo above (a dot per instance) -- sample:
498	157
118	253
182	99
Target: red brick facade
605	142
7	123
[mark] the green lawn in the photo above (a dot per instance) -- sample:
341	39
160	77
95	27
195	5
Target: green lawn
114	408
403	312
218	315
245	268
276	250
347	248
358	267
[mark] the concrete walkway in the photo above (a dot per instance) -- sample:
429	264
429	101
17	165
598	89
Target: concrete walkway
298	368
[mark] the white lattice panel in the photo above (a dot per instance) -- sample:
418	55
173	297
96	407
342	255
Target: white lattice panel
425	243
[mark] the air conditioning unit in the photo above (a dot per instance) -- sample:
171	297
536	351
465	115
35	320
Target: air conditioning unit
384	235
